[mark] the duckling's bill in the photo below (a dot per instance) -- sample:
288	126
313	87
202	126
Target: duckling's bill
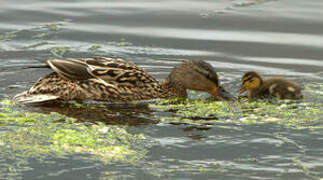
242	90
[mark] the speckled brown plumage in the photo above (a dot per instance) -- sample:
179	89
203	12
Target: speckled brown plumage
116	80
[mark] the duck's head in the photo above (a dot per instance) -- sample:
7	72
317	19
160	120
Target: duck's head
250	81
200	76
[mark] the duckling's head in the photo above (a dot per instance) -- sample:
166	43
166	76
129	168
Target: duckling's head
198	75
250	81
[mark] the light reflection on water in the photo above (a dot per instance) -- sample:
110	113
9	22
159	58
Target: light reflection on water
273	37
210	35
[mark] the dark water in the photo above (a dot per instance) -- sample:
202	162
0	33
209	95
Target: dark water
274	37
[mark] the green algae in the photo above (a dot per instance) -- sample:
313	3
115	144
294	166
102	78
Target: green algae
305	169
7	36
76	104
41	31
45	135
295	114
298	114
98	140
95	48
121	43
52	27
59	51
40	136
40	35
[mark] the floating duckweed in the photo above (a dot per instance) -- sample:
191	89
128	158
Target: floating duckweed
76	104
193	111
59	51
9	115
315	89
297	114
48	28
52	27
97	140
305	169
41	135
7	36
16	118
7	103
122	43
94	48
40	35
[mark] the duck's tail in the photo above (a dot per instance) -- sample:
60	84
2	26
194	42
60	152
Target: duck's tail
35	99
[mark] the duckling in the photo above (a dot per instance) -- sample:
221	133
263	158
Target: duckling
118	80
273	87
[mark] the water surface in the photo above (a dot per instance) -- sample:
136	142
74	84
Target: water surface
274	37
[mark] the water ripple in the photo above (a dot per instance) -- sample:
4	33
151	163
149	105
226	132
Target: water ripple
294	39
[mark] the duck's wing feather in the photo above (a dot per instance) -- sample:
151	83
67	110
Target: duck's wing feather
101	68
118	70
73	69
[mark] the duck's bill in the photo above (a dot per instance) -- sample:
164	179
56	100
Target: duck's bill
242	90
222	94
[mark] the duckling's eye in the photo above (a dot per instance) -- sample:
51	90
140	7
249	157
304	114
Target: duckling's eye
247	80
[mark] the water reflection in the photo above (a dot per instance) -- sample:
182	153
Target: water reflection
133	114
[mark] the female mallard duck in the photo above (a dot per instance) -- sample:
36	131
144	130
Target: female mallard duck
117	80
273	87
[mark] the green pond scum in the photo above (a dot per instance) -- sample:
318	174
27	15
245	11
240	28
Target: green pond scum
59	51
27	135
121	43
299	114
95	48
7	36
40	31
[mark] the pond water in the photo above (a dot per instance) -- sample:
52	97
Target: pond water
274	37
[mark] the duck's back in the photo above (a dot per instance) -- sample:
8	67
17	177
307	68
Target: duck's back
99	79
280	88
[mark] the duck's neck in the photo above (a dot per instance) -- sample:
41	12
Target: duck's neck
172	89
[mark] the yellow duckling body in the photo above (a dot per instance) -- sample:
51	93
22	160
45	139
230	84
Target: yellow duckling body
280	88
117	80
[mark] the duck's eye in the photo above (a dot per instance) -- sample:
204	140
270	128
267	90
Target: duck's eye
247	80
208	76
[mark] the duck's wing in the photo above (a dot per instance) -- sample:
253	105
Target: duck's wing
107	69
74	69
118	70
